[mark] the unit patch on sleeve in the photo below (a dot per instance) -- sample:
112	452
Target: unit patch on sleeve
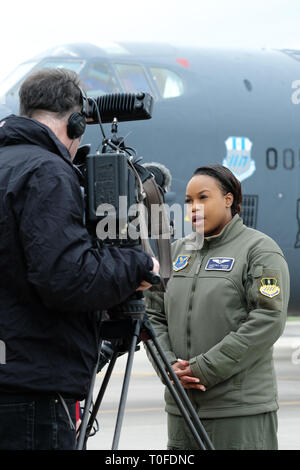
219	264
269	287
181	262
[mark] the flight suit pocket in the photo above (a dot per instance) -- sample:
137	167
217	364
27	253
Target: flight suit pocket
235	350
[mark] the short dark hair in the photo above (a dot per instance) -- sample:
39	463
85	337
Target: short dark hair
50	89
228	183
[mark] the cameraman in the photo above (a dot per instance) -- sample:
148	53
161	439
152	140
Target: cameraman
52	278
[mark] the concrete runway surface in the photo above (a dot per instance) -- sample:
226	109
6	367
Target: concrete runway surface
144	424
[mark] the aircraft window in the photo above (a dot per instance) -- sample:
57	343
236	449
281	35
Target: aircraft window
68	64
98	80
75	65
168	83
15	76
133	78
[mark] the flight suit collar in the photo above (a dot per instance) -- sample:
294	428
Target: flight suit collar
231	230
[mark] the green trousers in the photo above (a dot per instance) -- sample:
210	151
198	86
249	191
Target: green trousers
257	432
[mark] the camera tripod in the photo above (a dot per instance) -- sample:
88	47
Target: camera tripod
135	328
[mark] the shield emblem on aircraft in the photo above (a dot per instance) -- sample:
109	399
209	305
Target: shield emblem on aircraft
238	158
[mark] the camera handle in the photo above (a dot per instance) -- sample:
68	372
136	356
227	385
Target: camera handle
143	329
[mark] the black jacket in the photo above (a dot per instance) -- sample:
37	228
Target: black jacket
51	277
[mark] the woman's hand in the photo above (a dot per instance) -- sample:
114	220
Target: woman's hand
185	375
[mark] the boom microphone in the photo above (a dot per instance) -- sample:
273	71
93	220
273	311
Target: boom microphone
161	175
123	106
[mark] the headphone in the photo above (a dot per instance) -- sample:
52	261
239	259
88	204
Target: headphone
76	123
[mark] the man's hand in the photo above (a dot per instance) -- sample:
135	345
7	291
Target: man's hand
185	375
146	285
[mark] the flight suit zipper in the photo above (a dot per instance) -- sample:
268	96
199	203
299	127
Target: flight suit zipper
190	306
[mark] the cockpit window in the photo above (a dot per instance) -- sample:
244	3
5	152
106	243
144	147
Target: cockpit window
98	80
133	78
75	65
23	69
168	82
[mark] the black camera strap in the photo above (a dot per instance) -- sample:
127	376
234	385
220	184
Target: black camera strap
150	195
160	228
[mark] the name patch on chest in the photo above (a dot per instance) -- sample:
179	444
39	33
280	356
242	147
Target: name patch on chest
219	264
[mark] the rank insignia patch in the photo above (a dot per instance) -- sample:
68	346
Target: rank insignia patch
181	262
269	287
219	264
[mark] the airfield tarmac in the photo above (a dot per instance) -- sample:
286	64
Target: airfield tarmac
144	424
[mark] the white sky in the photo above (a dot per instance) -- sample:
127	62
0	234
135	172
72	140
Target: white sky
31	26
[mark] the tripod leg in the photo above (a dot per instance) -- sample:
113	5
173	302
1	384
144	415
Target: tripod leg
172	390
180	390
100	396
126	385
88	402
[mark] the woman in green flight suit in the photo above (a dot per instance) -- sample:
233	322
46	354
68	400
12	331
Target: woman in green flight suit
224	308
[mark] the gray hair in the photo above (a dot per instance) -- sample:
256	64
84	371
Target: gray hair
49	89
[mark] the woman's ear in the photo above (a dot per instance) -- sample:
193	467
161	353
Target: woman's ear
228	199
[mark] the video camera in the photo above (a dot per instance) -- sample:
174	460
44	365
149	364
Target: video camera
120	192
